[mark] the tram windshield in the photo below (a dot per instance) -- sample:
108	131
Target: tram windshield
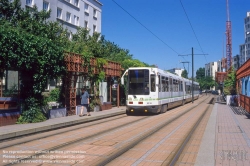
138	82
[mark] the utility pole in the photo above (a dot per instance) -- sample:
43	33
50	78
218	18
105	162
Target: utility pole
193	71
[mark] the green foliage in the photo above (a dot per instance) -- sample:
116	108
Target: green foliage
31	112
200	73
230	83
132	63
34	47
54	95
184	74
206	82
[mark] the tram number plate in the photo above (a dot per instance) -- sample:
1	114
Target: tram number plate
149	102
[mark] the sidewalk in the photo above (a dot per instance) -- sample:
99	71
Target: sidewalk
11	131
226	140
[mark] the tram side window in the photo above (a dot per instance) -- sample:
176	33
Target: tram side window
166	85
163	84
170	84
152	80
180	86
188	90
177	85
159	77
174	85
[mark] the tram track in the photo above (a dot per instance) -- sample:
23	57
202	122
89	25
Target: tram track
129	145
170	159
13	143
123	146
173	161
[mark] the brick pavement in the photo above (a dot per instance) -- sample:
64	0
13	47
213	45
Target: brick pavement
226	140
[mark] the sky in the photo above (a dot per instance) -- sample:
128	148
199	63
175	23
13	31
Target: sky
163	32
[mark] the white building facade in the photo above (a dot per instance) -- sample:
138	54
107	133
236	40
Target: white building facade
245	48
219	66
71	13
210	69
177	71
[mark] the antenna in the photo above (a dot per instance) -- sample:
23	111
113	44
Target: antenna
229	39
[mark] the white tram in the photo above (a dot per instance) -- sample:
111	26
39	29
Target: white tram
155	90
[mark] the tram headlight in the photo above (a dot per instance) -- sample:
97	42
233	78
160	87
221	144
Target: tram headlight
132	110
146	110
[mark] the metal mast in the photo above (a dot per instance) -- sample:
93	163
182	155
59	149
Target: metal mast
229	40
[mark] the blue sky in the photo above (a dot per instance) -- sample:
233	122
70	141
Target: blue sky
167	20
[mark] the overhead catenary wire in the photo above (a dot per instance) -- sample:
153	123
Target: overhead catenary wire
193	29
145	27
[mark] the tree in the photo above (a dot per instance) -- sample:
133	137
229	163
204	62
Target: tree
200	73
34	47
206	82
184	74
230	83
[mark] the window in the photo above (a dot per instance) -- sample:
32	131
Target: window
163	84
86	24
68	17
152	81
181	86
95	13
45	5
76	20
170	84
69	35
76	3
86	7
94	28
138	82
29	2
159	86
167	88
68	1
59	13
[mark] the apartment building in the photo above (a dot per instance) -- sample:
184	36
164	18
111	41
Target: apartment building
71	13
245	48
236	62
210	69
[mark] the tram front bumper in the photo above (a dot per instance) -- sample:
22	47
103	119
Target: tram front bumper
141	109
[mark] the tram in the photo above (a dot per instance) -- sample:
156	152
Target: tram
154	90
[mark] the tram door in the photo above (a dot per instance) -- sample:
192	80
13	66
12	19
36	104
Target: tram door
171	86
